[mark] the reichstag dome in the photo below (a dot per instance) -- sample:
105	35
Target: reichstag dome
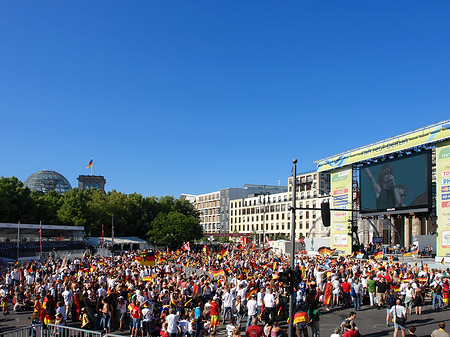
46	181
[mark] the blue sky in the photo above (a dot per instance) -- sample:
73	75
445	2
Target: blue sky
174	97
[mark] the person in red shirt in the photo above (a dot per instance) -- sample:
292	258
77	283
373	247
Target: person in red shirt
346	293
254	330
214	311
349	332
135	319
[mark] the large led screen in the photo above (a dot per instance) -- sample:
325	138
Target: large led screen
395	185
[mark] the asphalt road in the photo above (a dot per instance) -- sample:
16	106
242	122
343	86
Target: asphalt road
371	321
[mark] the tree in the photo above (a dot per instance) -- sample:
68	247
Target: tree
16	203
174	228
74	210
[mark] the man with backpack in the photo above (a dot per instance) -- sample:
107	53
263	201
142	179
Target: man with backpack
437	287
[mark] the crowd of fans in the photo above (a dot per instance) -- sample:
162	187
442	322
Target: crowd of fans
236	289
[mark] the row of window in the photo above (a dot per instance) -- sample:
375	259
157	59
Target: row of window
308	215
208	197
268	227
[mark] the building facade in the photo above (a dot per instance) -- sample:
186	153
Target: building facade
214	207
268	215
97	182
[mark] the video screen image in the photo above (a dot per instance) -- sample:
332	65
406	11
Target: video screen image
397	184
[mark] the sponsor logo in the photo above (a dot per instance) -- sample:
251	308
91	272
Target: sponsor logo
445	196
342	191
445	188
339	214
444	153
445	174
446	181
445	204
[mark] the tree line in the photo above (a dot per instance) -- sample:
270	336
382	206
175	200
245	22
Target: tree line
162	221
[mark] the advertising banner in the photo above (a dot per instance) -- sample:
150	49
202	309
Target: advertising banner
341	198
443	198
420	137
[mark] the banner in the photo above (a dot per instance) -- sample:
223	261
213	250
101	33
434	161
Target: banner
341	197
422	136
443	198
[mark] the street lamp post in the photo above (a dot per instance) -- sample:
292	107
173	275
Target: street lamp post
293	209
263	201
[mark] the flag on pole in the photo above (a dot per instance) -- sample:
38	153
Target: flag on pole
206	250
443	261
186	247
146	259
218	272
251	292
91	163
378	255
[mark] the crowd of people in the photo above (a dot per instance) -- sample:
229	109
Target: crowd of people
207	289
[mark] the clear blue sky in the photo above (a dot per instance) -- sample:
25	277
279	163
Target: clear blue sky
174	97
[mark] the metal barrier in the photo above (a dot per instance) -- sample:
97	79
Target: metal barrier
28	331
68	331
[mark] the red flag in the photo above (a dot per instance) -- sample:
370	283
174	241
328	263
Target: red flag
327	295
186	247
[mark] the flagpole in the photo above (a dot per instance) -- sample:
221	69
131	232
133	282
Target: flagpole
40	236
92	166
18	240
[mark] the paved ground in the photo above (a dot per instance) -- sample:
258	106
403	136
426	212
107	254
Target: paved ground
372	322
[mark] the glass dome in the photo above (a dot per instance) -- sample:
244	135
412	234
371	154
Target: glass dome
46	181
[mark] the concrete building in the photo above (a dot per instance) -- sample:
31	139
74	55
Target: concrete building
214	207
268	214
97	182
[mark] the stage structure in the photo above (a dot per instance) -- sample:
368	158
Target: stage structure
401	186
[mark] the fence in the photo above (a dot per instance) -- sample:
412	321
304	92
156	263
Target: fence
67	331
34	331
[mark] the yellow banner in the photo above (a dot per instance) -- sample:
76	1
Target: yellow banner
443	198
341	197
416	138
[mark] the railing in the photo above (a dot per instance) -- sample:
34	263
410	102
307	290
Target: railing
28	331
67	331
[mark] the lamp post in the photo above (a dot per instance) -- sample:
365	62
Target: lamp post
293	209
262	200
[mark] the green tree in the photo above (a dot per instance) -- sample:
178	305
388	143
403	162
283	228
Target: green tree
47	206
74	210
16	203
174	228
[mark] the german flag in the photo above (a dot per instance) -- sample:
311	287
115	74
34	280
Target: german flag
413	252
206	250
222	253
91	163
218	272
422	280
251	292
300	317
327	295
325	251
265	250
352	255
17	263
443	261
146	259
274	265
378	255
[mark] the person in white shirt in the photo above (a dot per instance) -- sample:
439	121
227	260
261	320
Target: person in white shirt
227	299
398	312
172	323
269	306
67	296
252	310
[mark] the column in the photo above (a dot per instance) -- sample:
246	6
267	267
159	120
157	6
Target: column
416	226
407	231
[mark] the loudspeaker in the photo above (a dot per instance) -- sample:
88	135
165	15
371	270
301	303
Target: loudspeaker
325	210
